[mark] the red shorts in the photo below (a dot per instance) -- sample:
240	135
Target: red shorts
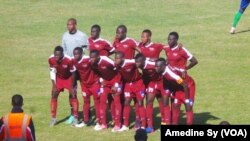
93	89
135	89
156	87
179	96
62	84
108	84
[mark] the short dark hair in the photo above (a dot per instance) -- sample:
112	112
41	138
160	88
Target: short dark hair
147	31
73	20
161	60
139	55
17	100
58	48
79	49
174	34
224	123
95	52
141	135
96	26
123	27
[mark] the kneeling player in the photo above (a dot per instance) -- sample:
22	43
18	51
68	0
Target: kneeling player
61	69
89	83
173	82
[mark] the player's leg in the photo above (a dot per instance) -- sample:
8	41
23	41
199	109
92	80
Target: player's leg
149	110
103	108
118	109
137	114
189	109
167	110
112	109
161	107
243	5
94	90
139	90
126	111
75	104
53	105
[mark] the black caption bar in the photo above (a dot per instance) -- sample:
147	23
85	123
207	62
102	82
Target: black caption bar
205	132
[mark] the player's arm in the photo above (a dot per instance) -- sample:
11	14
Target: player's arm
1	131
32	130
193	61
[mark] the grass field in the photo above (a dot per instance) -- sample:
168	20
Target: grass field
30	29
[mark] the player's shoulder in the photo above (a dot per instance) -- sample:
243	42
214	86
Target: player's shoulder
68	58
107	59
129	39
129	61
51	56
79	32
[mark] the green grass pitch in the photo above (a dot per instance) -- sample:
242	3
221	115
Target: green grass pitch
30	29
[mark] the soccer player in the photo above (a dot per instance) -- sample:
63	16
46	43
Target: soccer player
61	69
97	43
149	49
243	6
178	58
134	88
123	43
89	83
110	86
71	39
178	87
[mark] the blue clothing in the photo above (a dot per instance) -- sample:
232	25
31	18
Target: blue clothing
243	5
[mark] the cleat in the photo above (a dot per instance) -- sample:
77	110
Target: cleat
116	129
137	124
124	128
81	125
53	122
149	130
233	30
70	120
75	122
97	126
102	127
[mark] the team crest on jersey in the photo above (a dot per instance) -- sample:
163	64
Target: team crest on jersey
64	66
97	46
85	65
151	49
128	70
125	46
103	67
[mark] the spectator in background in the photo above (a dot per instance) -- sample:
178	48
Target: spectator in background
16	125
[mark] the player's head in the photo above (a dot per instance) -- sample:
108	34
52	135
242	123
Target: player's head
95	31
173	39
58	53
94	56
141	135
224	123
17	100
71	25
146	36
78	52
160	65
119	58
140	60
121	32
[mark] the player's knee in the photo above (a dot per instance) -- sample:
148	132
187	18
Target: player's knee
242	10
55	95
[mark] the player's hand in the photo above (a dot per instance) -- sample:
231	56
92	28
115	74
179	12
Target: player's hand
183	74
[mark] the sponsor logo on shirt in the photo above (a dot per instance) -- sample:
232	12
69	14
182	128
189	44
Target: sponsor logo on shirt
125	46
103	67
97	46
175	54
85	65
151	49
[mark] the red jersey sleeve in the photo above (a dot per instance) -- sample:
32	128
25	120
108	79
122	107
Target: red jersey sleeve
186	54
108	46
133	43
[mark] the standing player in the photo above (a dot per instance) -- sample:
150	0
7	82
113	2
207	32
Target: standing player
89	83
61	69
110	84
178	87
243	6
149	49
134	88
178	56
123	43
97	43
71	39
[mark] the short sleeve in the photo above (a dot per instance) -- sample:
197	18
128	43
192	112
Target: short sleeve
186	54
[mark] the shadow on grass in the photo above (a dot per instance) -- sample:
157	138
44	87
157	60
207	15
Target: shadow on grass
243	31
199	118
